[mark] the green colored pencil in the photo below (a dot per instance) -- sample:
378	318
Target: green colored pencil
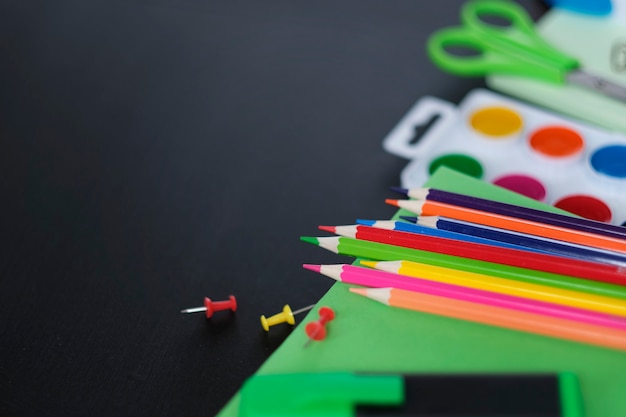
383	252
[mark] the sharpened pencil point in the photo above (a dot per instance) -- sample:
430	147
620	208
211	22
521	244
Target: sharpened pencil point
360	262
329	229
366	222
311	267
310	239
410	219
392	202
400	190
359	291
369	264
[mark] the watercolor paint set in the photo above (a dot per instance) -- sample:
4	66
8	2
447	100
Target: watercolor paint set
550	158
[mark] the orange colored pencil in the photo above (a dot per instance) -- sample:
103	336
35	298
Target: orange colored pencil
433	208
497	316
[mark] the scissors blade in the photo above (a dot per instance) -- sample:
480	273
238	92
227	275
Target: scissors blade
601	85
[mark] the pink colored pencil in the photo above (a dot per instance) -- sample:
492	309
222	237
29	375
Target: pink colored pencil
367	277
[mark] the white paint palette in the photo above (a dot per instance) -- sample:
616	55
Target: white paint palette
559	161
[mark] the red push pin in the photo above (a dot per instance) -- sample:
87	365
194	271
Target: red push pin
212	306
316	330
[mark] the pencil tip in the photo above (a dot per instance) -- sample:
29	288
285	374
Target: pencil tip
310	239
311	267
392	202
365	222
330	229
359	291
400	190
369	264
410	219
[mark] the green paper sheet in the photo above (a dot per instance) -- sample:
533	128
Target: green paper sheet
368	336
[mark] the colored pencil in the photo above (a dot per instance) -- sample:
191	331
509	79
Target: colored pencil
608	273
433	231
524	240
433	208
496	316
578	299
367	277
382	252
555	219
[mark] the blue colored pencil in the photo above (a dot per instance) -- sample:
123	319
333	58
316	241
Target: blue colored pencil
544	245
511	210
430	231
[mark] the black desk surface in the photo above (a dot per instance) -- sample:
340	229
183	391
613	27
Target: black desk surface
156	152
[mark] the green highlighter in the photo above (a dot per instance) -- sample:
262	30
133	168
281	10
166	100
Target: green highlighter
347	394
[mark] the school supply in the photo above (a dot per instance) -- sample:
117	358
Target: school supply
492	235
451	344
537	243
599	44
211	307
430	343
595	271
356	275
316	330
567	164
411	226
385	252
572	298
577	223
433	208
512	50
591	7
495	316
347	394
284	316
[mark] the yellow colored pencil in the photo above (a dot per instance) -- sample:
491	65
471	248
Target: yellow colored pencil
546	293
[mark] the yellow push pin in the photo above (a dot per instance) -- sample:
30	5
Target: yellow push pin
284	316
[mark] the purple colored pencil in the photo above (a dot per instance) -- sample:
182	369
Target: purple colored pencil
511	210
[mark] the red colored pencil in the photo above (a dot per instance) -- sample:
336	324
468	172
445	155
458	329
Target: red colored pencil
595	271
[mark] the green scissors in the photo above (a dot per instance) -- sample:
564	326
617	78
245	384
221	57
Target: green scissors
516	49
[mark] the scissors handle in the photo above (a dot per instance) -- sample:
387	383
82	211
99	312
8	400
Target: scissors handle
513	50
520	32
510	12
483	63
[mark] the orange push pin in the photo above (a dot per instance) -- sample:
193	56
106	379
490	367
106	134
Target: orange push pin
284	316
212	306
316	330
